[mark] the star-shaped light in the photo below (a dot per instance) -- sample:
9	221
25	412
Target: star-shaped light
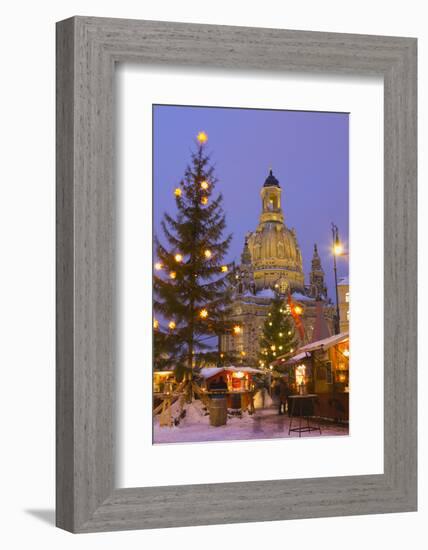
202	137
203	314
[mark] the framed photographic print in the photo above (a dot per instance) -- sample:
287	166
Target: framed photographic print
246	344
236	274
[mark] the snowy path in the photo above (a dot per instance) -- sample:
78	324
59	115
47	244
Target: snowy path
265	424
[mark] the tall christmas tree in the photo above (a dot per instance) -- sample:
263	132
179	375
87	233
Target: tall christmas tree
165	347
278	337
190	279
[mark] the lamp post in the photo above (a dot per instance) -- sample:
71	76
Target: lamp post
337	250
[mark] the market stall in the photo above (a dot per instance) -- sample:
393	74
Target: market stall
235	383
322	368
163	382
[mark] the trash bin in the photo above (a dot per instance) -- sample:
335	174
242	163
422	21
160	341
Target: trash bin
218	411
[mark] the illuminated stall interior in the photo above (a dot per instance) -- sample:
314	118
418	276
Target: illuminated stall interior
163	382
239	382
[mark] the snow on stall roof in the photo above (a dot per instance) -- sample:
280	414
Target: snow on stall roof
209	372
244	369
297	358
323	344
326	343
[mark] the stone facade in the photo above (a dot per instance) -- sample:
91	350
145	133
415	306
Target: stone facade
343	292
317	288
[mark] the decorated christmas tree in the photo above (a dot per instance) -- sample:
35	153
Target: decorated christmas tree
190	278
278	337
165	347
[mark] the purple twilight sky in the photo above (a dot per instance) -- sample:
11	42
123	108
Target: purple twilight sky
308	153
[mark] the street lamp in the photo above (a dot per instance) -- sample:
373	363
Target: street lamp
337	251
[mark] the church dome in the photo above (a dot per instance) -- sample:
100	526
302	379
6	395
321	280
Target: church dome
271	181
275	254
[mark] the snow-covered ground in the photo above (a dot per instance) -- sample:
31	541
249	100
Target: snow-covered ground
264	424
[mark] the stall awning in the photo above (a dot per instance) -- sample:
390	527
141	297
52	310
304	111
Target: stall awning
292	361
325	343
297	358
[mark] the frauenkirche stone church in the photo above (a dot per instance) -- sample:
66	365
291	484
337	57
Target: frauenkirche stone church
271	261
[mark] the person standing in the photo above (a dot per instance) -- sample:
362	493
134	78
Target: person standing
284	392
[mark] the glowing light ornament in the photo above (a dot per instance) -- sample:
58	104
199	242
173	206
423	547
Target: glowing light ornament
204	185
177	192
172	325
202	137
237	329
208	254
298	310
203	314
155	323
224	268
172	274
204	200
178	258
158	266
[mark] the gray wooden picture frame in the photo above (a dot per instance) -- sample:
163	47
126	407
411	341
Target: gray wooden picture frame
87	51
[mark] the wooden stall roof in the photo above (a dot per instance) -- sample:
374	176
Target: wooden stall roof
325	343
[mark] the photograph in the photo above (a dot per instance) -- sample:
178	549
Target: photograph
250	279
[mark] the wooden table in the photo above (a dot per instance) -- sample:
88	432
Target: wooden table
300	401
